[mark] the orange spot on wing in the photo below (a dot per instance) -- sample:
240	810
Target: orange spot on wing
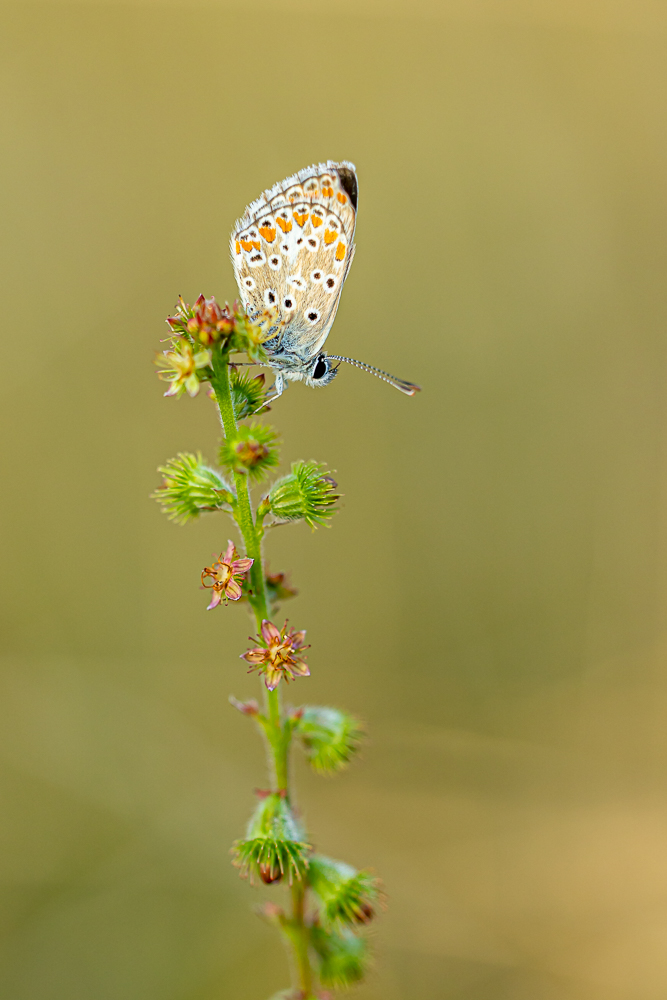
340	251
316	220
341	197
330	237
246	244
256	244
327	192
268	233
238	247
301	219
284	224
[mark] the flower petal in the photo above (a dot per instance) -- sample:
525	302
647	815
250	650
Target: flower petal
233	590
202	359
215	600
298	639
192	385
269	631
272	678
230	553
242	565
299	668
256	655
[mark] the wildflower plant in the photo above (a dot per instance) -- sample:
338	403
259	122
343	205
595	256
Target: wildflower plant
330	903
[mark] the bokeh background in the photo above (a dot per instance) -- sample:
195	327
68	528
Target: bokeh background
491	599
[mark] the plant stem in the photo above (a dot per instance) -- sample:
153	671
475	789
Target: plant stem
278	735
300	940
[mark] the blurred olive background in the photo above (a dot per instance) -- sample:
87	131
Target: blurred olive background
491	599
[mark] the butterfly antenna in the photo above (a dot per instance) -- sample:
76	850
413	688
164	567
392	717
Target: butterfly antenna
409	388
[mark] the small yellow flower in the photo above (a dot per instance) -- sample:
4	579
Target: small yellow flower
181	366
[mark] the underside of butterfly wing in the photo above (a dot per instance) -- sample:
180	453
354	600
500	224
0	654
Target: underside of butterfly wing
292	250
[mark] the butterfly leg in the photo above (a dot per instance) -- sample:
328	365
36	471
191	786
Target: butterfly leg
278	388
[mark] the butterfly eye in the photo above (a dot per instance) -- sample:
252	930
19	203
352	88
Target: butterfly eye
312	316
320	369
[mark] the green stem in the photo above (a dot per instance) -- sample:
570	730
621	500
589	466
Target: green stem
300	940
277	733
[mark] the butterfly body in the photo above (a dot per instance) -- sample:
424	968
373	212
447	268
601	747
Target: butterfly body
291	251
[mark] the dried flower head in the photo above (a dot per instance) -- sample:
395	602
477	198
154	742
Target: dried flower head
252	450
278	589
330	737
225	573
346	896
248	392
191	488
274	845
308	494
342	956
278	655
184	367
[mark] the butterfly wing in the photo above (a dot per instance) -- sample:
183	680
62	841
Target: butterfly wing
292	250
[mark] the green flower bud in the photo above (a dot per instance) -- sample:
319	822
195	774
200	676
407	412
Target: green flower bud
191	488
274	846
346	896
343	956
252	450
307	494
248	392
330	737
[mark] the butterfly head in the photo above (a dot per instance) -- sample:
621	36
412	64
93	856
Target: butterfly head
321	372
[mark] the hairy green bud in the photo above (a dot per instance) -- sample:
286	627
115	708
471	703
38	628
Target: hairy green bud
274	845
248	392
191	488
343	956
252	450
330	737
307	494
346	896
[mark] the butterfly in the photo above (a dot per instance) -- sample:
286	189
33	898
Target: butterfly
291	252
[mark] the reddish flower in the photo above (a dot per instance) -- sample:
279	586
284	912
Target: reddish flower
210	322
278	655
206	321
223	573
